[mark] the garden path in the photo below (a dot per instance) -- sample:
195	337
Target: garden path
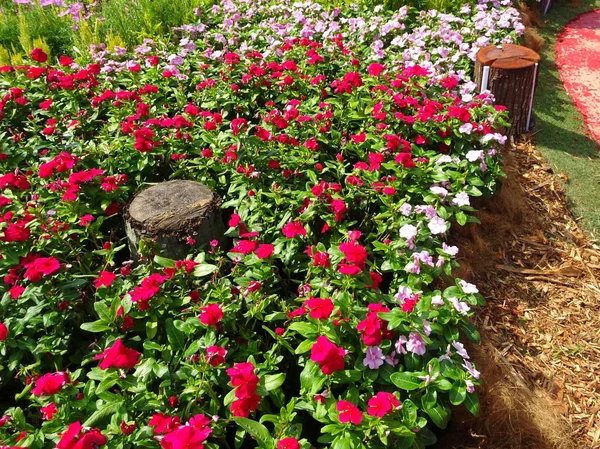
578	61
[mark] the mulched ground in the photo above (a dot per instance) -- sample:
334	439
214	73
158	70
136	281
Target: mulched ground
541	328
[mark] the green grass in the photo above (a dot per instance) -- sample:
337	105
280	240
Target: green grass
560	133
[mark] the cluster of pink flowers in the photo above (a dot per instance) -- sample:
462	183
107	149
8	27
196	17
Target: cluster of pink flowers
245	381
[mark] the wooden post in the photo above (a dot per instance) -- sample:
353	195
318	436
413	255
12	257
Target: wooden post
171	213
510	73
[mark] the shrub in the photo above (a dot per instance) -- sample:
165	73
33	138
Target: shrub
322	323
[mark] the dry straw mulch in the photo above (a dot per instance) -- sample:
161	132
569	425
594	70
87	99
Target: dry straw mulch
541	327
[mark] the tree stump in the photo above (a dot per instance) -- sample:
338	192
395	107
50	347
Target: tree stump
171	213
510	73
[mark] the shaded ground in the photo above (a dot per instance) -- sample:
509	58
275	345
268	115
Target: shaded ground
559	130
540	275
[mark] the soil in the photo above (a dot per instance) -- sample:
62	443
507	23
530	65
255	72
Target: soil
541	327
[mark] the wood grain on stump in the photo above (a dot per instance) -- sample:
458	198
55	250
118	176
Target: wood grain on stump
170	213
512	77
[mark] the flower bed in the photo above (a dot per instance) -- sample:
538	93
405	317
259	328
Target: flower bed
323	320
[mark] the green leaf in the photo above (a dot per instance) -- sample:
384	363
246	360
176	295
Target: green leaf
439	415
103	412
151	328
346	376
458	393
175	336
204	269
471	332
472	403
257	430
311	377
273	381
307	330
103	312
405	381
164	262
305	346
461	218
107	382
95	326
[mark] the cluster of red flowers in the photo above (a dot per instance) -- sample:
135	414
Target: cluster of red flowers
245	381
174	435
373	328
76	437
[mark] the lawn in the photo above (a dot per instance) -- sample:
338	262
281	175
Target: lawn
560	133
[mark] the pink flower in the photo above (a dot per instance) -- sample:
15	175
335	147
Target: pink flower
348	412
163	423
416	344
3	332
86	219
374	357
293	228
76	438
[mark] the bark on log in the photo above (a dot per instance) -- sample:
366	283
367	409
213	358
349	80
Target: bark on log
512	79
170	213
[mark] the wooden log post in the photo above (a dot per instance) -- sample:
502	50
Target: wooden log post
510	73
171	213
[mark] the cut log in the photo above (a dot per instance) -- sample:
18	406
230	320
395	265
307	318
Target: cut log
510	73
171	213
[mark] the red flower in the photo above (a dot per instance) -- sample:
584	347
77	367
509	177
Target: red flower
288	443
65	61
215	355
74	438
354	253
349	413
293	228
186	437
38	55
105	279
242	407
17	232
50	383
243	378
373	328
127	429
164	423
3	332
329	356
42	266
118	356
211	314
245	247
382	403
16	291
375	69
320	308
265	251
49	411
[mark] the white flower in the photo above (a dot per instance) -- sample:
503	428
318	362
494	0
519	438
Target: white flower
460	349
461	307
451	250
408	232
437	225
468	288
461	199
473	155
465	128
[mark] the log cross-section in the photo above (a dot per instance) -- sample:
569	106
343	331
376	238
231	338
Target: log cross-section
510	73
174	214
